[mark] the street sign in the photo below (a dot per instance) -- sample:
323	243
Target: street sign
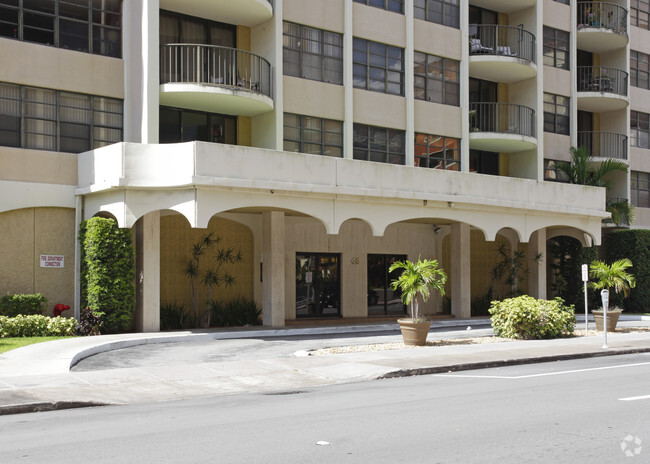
585	273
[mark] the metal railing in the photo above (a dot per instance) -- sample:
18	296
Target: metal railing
505	118
214	65
604	144
602	15
501	40
602	79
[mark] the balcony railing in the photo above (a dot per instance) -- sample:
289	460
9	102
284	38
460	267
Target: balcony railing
604	144
502	41
601	79
505	118
214	65
602	15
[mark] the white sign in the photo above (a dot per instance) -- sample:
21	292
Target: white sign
308	277
56	261
585	273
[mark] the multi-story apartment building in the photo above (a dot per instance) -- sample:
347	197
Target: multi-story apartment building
322	138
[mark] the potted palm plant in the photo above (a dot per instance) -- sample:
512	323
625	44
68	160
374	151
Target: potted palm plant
609	276
415	282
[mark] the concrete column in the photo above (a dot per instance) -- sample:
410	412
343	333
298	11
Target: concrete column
273	268
537	267
348	84
460	271
147	246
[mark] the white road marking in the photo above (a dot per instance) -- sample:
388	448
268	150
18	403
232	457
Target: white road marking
470	376
634	398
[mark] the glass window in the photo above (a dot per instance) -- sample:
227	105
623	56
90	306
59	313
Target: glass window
639	129
639	71
556	48
379	144
639	11
378	67
436	79
312	53
93	26
437	152
640	189
44	119
181	125
389	5
316	136
553	173
179	28
445	12
556	114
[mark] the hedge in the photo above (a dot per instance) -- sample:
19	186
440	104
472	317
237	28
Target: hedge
108	273
633	244
37	326
13	305
528	318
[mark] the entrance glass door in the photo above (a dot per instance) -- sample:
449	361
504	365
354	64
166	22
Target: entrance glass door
317	285
382	299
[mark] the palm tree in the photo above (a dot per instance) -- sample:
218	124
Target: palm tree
584	170
612	275
416	280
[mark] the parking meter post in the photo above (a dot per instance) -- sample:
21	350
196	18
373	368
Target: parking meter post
585	278
604	295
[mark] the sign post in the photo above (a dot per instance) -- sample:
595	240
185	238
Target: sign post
585	279
604	295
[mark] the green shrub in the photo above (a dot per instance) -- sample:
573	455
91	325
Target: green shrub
107	273
237	312
36	326
13	305
527	318
635	245
173	317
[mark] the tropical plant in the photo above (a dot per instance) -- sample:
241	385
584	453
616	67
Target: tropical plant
173	317
525	317
584	170
612	275
416	280
213	277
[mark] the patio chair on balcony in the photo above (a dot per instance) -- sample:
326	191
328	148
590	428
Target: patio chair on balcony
477	48
505	51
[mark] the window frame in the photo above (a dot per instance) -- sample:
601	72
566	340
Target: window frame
636	12
637	57
551	47
362	71
386	4
639	129
322	57
52	23
302	140
35	116
554	117
430	159
635	183
364	145
422	10
445	97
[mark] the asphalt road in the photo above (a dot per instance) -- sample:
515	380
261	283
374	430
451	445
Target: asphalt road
583	411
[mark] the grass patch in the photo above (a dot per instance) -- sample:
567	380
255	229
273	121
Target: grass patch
11	343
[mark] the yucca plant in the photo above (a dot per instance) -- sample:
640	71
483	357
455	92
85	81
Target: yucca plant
416	280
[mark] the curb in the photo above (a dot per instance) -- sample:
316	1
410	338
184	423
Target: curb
46	406
507	362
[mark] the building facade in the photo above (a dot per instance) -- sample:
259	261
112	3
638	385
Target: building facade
323	139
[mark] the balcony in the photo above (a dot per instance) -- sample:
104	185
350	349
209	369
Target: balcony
501	127
239	12
602	89
602	27
505	6
605	145
214	79
501	53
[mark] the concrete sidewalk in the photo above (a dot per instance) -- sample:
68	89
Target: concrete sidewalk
38	377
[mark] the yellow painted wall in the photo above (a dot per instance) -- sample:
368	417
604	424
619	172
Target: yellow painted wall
176	242
25	234
243	38
244	131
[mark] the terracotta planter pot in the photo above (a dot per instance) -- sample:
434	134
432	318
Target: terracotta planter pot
414	333
612	320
